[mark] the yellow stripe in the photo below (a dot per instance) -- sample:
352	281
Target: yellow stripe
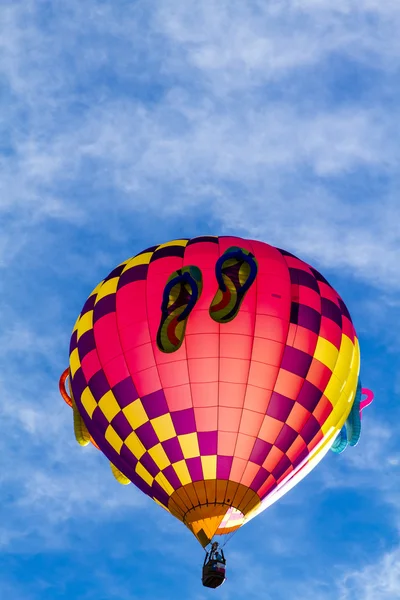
165	484
144	474
135	445
74	362
135	414
113	438
326	353
189	444
182	471
159	456
209	464
164	427
173	243
88	401
85	323
109	406
108	287
141	259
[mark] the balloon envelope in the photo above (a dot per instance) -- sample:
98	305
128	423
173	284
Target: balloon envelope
220	428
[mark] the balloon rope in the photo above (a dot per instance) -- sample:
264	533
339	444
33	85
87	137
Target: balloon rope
62	388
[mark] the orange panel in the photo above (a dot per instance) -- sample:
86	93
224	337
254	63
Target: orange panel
205	394
273	459
298	417
229	418
251	422
257	399
288	384
237	469
319	374
244	446
268	352
271	328
232	394
249	474
226	443
295	449
305	340
206	418
270	429
262	375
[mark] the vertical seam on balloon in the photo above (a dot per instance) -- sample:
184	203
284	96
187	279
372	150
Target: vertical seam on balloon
273	389
248	375
218	390
191	397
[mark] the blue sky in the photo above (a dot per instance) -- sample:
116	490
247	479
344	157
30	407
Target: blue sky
124	124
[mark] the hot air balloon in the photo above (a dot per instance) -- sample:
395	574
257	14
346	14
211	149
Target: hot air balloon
214	373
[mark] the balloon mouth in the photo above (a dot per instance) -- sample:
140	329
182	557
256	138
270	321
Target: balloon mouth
212	508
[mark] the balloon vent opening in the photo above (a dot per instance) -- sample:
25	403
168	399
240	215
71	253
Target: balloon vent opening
215	509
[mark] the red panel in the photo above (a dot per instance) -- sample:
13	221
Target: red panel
173	373
328	292
271	328
235	346
107	340
202	345
205	394
209	290
140	358
330	331
131	304
90	364
309	297
134	335
201	322
178	397
147	382
203	370
116	370
233	370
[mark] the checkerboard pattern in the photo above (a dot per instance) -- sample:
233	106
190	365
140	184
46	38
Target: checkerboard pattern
252	404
